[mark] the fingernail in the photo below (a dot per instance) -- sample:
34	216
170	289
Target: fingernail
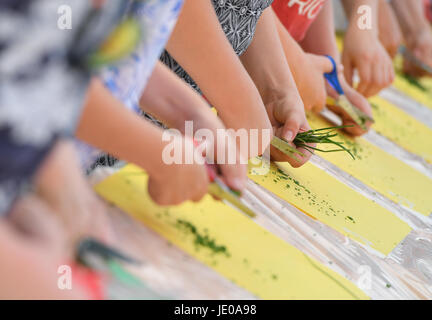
289	136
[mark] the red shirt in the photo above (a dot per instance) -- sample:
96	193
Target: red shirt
428	9
297	15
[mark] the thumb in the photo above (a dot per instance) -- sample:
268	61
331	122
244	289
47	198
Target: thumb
290	129
235	175
233	166
324	64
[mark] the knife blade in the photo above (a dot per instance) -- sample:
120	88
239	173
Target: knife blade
355	113
285	147
404	51
220	190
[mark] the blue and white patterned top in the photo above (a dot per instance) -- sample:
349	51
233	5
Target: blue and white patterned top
127	79
41	89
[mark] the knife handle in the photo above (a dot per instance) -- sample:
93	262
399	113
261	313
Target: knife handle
211	172
211	169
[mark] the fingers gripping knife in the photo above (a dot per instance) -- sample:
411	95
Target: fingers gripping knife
355	113
219	189
413	59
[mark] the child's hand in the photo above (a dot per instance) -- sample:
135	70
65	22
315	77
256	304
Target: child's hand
230	157
61	184
421	47
286	113
37	223
364	52
250	119
190	108
173	183
309	78
357	100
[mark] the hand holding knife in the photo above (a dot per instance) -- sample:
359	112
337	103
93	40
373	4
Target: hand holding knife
413	59
219	189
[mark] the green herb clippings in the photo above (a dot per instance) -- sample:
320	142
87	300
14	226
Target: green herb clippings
299	190
323	135
350	219
202	240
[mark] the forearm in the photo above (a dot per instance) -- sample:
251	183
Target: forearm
106	124
353	14
265	59
295	55
200	46
173	102
320	38
411	17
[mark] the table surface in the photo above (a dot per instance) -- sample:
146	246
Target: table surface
171	273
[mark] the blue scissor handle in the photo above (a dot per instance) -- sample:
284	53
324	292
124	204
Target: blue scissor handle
332	77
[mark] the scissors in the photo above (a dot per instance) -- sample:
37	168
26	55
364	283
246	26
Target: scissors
355	113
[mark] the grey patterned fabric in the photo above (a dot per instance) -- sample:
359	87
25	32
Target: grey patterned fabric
43	81
238	19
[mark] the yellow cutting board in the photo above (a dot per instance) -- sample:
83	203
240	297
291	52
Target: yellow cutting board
419	90
401	128
328	200
415	89
380	171
426	82
230	243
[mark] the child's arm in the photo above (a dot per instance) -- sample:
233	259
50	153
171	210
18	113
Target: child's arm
390	33
169	99
199	45
321	40
363	50
107	125
267	65
416	31
307	70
